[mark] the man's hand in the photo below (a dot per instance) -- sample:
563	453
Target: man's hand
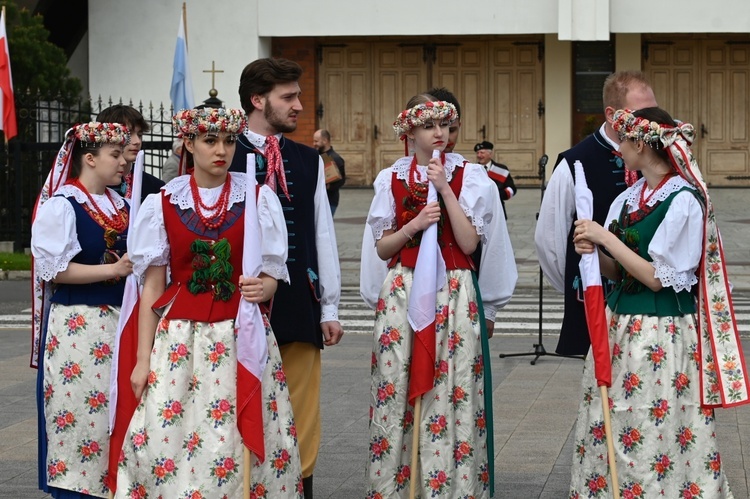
332	332
490	327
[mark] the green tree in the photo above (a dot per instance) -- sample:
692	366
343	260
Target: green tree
40	70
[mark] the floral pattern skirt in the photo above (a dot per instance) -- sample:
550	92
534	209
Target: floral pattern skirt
183	440
453	434
665	443
77	363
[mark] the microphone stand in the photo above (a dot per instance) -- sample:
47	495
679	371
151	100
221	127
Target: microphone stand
539	350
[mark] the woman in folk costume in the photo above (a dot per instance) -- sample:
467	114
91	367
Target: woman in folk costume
78	243
453	428
183	440
673	360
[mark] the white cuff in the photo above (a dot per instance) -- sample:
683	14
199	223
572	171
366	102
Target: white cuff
329	313
490	313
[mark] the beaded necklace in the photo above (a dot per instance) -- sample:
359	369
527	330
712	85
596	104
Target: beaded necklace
219	209
118	222
417	190
643	202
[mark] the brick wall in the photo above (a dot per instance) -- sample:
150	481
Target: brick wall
302	51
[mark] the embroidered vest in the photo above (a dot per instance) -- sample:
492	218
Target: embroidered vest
206	264
630	296
93	247
298	302
452	254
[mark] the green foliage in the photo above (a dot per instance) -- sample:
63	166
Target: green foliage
39	67
15	261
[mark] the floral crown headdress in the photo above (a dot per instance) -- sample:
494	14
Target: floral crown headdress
724	378
420	114
97	134
191	122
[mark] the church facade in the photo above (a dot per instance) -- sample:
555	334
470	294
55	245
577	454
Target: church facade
528	79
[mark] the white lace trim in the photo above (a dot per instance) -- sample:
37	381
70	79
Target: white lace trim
69	190
381	226
402	165
48	268
383	185
674	184
671	278
477	222
182	196
157	257
273	269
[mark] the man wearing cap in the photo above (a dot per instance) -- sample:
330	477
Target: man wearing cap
498	172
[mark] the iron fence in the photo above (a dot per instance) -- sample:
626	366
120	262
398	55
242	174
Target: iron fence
27	159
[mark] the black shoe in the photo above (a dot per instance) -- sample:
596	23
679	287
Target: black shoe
307	486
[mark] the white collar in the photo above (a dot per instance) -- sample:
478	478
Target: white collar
181	195
674	184
603	132
402	165
258	140
70	190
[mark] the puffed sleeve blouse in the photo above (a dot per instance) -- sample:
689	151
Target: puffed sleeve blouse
148	244
480	202
54	238
677	244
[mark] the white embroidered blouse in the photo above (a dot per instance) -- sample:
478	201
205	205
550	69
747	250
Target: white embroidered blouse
148	244
677	244
54	239
480	202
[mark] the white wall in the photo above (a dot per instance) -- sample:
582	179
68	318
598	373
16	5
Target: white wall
558	93
131	47
131	43
399	17
685	16
79	64
477	17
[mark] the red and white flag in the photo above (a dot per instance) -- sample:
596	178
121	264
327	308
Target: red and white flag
593	294
7	102
122	401
252	349
429	278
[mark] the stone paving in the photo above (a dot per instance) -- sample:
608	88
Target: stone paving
535	406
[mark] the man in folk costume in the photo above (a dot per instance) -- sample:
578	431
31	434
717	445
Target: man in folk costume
304	315
606	178
187	435
78	241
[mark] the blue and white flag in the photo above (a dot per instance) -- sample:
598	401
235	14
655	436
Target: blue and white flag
181	91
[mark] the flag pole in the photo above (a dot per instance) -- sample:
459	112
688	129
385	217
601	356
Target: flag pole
246	474
184	21
610	442
415	446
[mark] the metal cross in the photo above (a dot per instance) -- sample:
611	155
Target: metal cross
213	72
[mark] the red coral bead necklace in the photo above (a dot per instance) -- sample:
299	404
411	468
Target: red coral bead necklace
645	199
219	209
118	222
